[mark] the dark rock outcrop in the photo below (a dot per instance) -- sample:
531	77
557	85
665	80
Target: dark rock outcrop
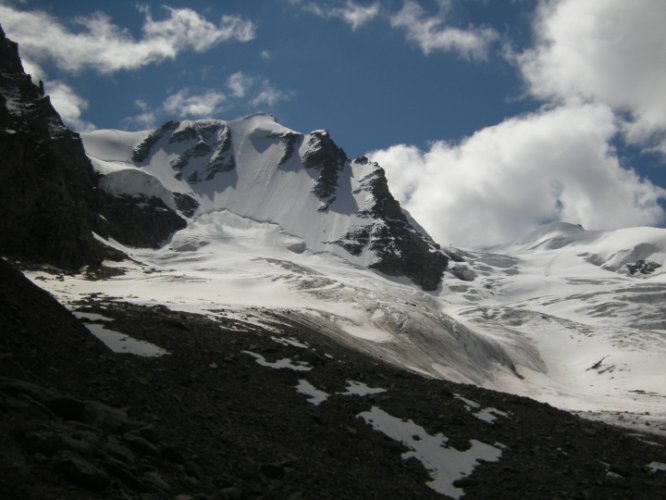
401	249
206	141
49	193
48	198
185	203
142	151
291	143
328	159
140	221
642	266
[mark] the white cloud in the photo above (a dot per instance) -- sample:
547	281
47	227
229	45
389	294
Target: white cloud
269	96
265	55
351	13
185	103
505	180
432	34
239	83
255	91
264	92
107	48
356	15
69	105
610	51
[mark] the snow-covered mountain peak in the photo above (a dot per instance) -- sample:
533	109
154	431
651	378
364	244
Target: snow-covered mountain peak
258	169
554	235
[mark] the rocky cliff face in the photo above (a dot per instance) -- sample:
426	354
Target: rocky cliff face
402	250
47	194
49	199
328	160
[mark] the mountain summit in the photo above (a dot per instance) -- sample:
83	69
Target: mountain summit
258	169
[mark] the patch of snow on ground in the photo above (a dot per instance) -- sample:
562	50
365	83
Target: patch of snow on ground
657	467
316	397
489	414
281	364
88	317
124	344
289	341
445	465
469	404
355	388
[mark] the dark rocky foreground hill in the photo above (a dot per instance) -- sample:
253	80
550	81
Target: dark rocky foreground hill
207	421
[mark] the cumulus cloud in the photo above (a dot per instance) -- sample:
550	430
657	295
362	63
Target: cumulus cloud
609	51
505	180
145	119
268	96
264	92
244	90
431	33
69	105
351	13
105	47
186	103
239	83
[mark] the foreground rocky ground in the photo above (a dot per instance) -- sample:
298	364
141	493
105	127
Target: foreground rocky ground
211	420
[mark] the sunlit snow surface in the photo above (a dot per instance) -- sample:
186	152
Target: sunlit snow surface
315	396
355	388
280	364
488	415
554	318
445	465
124	344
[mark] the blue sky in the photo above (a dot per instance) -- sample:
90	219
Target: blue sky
490	117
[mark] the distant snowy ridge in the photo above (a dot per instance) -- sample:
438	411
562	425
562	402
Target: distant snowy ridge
258	169
615	250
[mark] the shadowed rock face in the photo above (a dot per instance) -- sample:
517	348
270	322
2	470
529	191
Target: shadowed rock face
140	221
48	190
328	159
47	186
207	141
401	249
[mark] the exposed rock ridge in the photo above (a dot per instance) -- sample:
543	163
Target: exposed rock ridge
209	149
142	151
328	159
291	143
402	250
